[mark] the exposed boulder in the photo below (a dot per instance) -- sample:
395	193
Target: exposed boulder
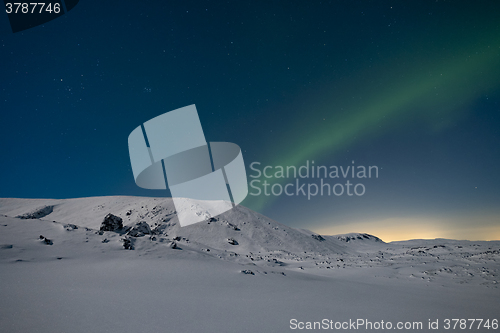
111	223
46	240
139	229
70	227
318	237
247	271
232	241
128	243
232	226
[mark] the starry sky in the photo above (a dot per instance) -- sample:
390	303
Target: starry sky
410	87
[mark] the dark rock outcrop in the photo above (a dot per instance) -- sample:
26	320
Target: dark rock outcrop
139	229
111	223
37	213
46	240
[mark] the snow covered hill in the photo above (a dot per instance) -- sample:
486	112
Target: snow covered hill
123	264
240	230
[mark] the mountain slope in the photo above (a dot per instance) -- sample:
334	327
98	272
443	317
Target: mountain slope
239	230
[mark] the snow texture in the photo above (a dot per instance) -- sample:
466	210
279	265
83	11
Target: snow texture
85	265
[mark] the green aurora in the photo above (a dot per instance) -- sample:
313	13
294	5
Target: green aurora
436	92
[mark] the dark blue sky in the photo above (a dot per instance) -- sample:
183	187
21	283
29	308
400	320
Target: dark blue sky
412	88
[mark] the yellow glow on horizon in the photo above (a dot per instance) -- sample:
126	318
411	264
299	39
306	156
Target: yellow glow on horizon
398	229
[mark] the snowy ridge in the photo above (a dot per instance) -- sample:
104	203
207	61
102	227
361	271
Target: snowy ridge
356	237
150	226
253	232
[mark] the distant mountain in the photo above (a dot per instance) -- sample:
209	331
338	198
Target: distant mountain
356	237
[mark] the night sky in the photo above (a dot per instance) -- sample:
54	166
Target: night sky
412	87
